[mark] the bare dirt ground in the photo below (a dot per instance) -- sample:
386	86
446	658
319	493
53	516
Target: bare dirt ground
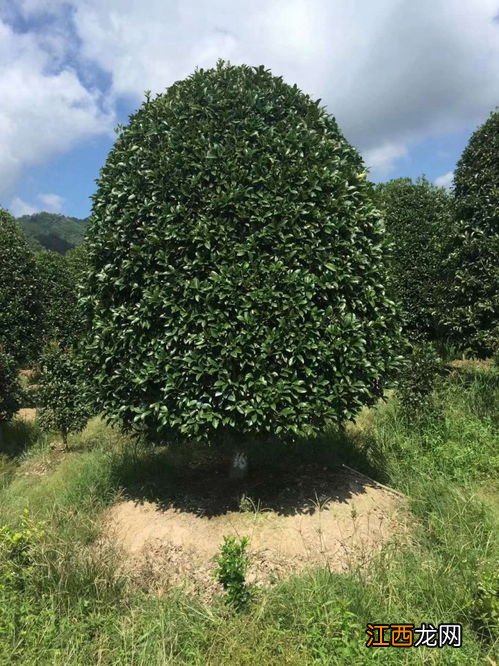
26	414
320	518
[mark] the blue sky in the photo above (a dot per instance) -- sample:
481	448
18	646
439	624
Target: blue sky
408	82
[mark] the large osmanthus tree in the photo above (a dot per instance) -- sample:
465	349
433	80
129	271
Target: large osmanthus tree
418	220
235	286
474	245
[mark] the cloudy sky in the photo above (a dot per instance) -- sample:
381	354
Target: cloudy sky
407	81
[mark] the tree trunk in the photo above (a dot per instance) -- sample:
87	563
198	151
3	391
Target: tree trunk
239	466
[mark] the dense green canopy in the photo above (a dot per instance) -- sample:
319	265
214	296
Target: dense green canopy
236	284
474	246
62	392
58	297
418	222
20	309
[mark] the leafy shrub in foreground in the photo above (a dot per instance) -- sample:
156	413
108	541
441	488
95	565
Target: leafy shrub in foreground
236	281
418	218
62	392
232	565
16	552
20	573
474	246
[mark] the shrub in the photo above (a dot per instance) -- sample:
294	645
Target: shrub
20	571
16	552
10	387
418	380
235	284
485	609
231	571
417	217
474	246
62	392
20	320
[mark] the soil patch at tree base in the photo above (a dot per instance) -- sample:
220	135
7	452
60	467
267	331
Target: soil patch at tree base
339	520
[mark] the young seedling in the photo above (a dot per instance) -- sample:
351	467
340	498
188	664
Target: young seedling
232	566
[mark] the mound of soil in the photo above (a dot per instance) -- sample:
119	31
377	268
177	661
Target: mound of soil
321	519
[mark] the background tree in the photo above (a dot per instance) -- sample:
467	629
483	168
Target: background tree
77	260
10	388
236	285
474	246
58	297
62	392
418	217
418	380
20	308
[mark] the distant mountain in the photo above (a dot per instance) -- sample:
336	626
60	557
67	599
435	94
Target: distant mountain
50	231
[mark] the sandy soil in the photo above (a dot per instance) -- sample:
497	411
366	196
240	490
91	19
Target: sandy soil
26	414
342	522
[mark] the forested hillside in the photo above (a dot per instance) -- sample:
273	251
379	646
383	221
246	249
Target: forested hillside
52	231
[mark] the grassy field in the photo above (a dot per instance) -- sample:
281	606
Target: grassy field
63	602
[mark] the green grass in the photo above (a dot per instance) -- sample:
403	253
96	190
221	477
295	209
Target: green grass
70	606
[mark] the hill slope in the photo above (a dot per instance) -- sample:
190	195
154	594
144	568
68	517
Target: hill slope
52	231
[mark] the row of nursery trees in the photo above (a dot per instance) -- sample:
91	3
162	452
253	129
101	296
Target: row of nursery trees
39	320
241	278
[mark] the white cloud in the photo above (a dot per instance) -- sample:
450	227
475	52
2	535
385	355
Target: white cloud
382	157
19	207
446	180
43	111
393	73
52	203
